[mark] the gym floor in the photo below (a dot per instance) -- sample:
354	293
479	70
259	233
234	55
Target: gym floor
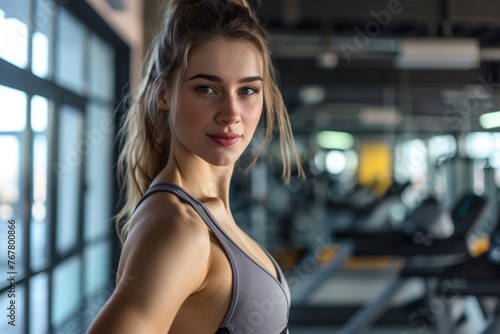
356	287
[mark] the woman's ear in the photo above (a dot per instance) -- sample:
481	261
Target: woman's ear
163	99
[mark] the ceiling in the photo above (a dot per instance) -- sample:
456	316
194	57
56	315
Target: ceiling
348	52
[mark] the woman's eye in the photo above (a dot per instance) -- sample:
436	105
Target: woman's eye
205	90
248	91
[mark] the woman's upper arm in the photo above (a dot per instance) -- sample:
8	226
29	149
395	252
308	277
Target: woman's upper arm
163	263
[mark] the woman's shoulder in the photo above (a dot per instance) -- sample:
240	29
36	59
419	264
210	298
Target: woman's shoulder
164	211
164	224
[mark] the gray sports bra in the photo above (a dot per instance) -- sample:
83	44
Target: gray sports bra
259	303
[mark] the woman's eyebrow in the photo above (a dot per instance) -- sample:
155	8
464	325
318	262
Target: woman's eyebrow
206	77
215	78
250	79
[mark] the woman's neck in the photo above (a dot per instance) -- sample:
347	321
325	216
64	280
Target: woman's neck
203	181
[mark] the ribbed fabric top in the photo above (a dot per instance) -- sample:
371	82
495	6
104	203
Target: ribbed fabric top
259	303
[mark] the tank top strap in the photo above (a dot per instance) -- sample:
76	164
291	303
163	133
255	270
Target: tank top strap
186	197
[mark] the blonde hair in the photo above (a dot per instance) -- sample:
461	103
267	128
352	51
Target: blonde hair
146	132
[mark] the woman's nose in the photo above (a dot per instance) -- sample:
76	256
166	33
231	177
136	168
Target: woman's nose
229	111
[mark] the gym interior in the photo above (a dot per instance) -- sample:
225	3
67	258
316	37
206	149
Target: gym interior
395	109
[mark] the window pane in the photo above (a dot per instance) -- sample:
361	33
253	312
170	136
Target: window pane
39	113
40	55
70	52
97	267
9	177
45	11
38	226
98	144
65	290
39	299
102	69
67	170
5	300
14	31
13	111
10	205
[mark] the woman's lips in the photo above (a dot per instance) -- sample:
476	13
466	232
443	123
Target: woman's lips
224	139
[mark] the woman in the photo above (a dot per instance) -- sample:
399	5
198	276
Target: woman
186	267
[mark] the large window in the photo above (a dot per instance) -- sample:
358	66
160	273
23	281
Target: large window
58	82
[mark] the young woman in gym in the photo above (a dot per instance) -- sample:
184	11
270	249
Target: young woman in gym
186	266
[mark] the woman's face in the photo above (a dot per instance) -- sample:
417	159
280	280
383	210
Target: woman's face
220	101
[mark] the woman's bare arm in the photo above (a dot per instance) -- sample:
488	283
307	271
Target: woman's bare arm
165	259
